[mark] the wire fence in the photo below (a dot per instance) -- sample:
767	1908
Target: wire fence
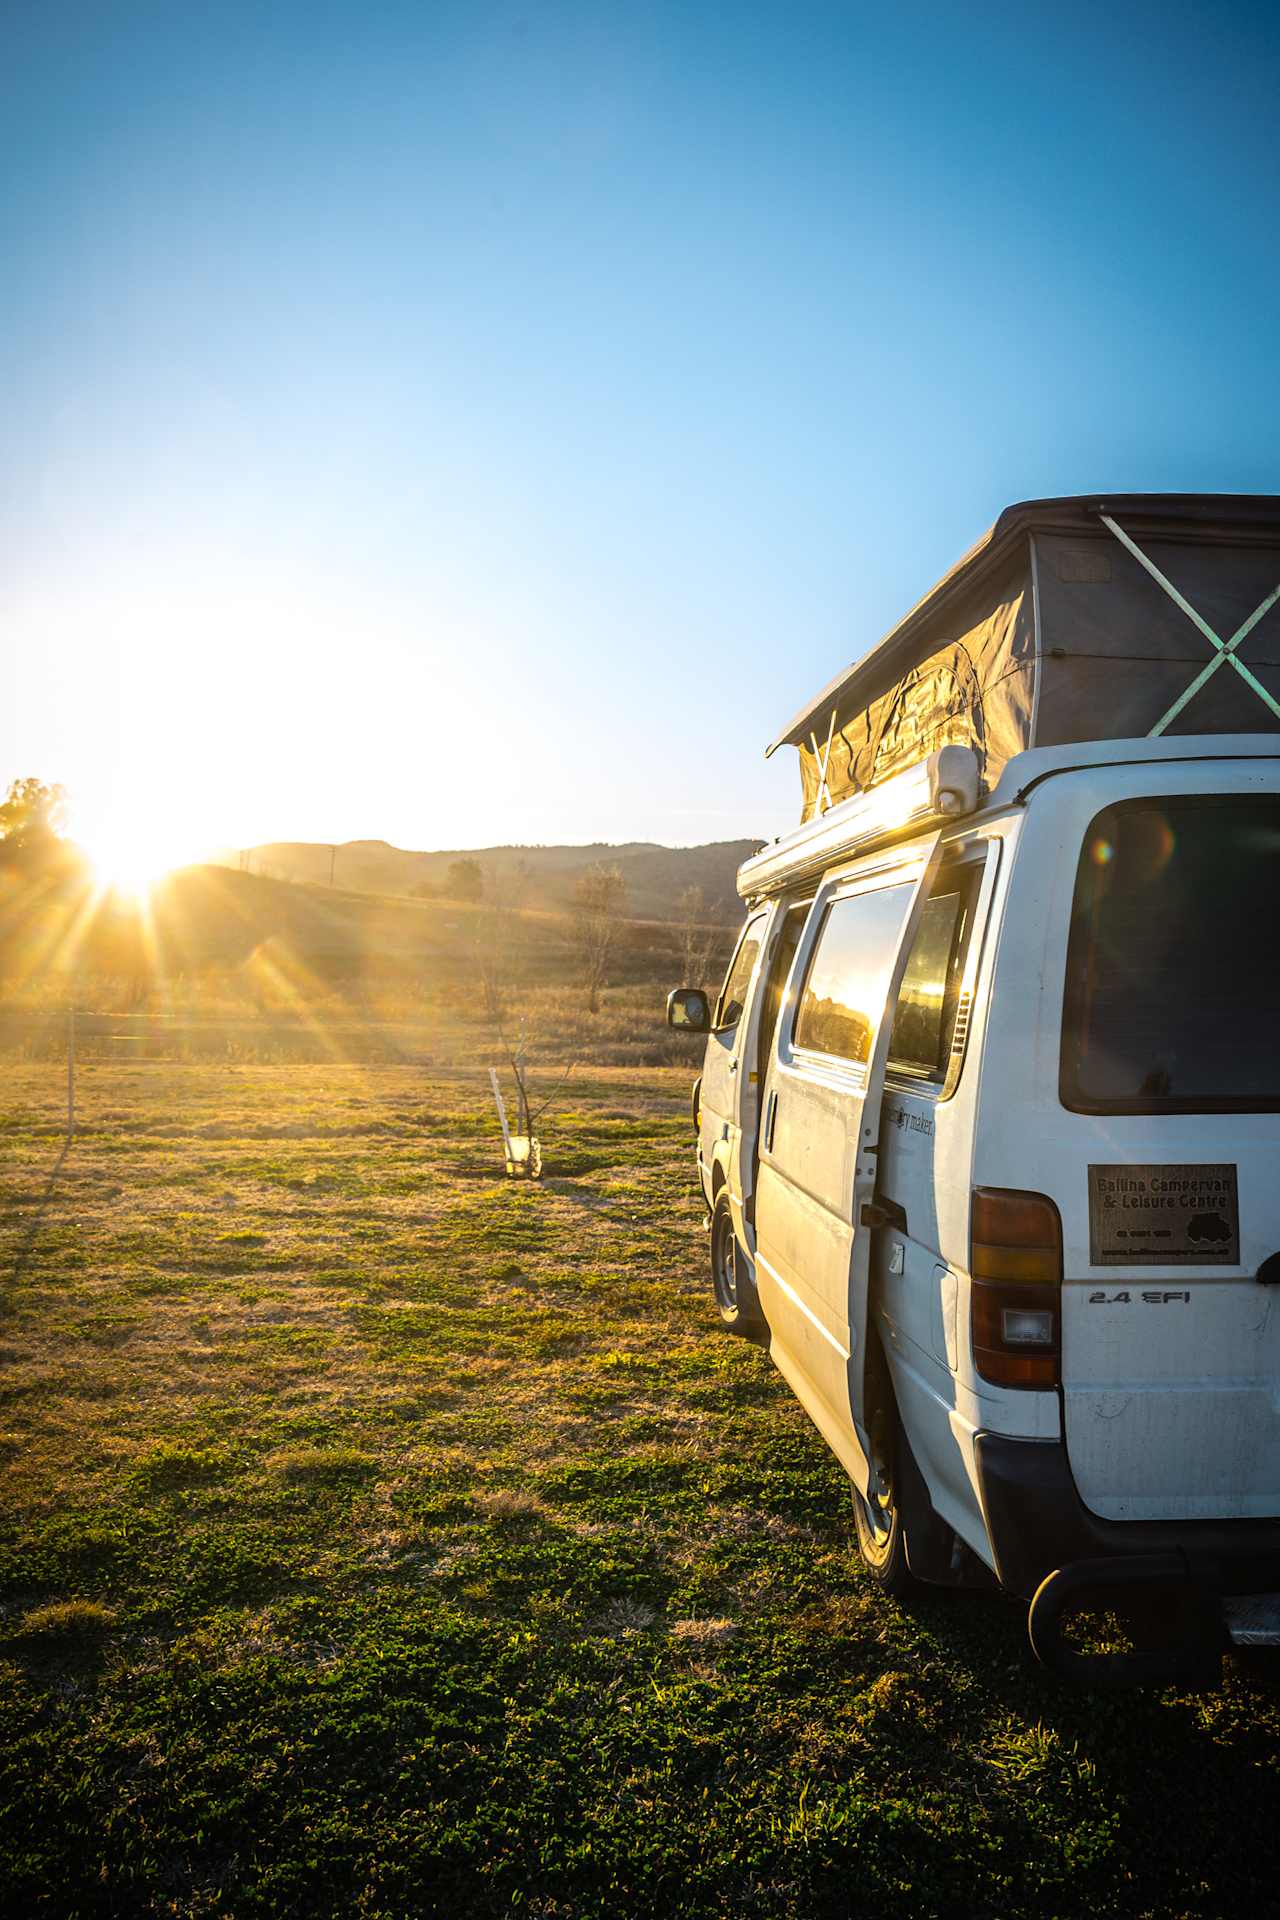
63	1045
455	1032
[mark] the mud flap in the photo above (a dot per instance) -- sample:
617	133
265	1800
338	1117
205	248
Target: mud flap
935	1554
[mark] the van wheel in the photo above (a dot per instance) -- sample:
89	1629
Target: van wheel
882	1540
731	1283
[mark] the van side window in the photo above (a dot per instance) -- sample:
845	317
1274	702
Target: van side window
844	988
784	952
733	995
925	1018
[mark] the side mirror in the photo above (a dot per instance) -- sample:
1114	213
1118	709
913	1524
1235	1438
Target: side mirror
689	1010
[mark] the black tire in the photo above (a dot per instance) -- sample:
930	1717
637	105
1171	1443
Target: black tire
879	1522
732	1287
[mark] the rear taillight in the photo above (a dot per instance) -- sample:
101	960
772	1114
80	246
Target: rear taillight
1015	1262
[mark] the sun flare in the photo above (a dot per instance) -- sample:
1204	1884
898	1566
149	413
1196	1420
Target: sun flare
132	863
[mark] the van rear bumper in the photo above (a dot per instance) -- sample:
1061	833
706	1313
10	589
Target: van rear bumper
1036	1523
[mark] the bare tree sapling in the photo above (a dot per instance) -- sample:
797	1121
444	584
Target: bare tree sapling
598	900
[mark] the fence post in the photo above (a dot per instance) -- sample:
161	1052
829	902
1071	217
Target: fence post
71	1070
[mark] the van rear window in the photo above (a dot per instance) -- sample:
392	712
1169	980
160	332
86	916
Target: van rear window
1171	969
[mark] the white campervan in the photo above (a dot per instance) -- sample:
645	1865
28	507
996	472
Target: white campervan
989	1117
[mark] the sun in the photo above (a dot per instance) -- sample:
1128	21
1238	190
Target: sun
131	863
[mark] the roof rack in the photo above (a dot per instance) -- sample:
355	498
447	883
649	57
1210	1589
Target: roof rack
944	787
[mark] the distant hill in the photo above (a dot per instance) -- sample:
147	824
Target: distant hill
537	877
290	942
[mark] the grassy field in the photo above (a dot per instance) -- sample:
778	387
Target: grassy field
382	1538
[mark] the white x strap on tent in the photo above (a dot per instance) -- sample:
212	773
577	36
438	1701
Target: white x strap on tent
823	800
1224	650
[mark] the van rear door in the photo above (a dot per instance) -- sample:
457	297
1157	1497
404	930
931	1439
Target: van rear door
1160	1141
1171	1044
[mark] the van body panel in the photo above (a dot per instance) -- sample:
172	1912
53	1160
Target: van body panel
719	1126
787	918
715	1120
734	1069
1171	1407
1170	1369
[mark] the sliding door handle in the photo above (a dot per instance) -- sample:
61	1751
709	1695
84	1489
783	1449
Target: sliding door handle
883	1213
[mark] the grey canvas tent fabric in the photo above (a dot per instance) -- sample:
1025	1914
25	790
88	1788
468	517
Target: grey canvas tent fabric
1051	631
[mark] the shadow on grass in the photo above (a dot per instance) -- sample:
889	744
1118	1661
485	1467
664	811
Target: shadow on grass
27	1245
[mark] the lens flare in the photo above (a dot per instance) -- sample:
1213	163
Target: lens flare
131	863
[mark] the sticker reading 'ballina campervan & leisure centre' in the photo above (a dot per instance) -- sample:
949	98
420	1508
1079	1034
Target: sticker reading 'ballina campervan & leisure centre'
1158	1216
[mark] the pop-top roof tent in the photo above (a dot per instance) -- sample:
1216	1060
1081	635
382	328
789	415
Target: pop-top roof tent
1094	618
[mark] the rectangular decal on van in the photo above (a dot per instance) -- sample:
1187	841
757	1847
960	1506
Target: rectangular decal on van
1155	1216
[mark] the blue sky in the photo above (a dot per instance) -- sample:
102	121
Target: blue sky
470	423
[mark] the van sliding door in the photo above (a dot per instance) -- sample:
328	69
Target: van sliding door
821	1136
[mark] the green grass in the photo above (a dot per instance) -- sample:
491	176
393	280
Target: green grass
380	1537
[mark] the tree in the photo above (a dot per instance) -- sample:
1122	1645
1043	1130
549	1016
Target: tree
32	816
464	880
597	908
